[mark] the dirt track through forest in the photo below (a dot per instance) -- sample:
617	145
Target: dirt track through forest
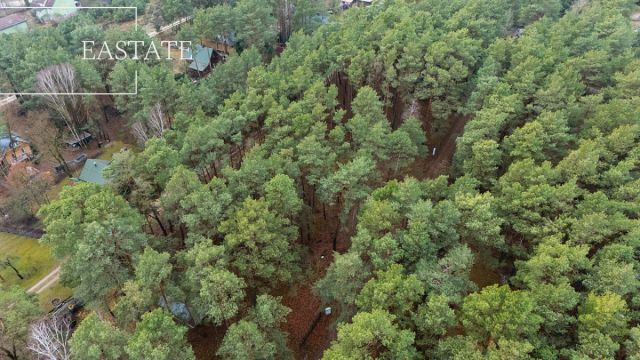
46	282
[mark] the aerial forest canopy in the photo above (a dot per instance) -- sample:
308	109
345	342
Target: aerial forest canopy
526	245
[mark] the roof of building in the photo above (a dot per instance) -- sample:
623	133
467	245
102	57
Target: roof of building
11	21
75	140
56	9
6	144
92	171
201	58
42	3
5	141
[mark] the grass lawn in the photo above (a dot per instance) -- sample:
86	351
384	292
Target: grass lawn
34	262
55	190
112	148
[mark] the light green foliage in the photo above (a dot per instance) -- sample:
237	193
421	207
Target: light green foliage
633	344
207	94
204	208
484	162
422	239
554	263
349	185
614	271
529	11
344	278
542	139
182	183
497	312
464	348
99	233
152	271
602	322
606	314
480	224
372	335
141	178
244	340
96	339
157	336
260	244
156	84
258	336
432	319
543	192
392	291
448	275
268	312
546	199
221	294
153	268
17	310
282	196
369	127
256	25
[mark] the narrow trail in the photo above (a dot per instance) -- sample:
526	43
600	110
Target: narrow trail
46	282
433	166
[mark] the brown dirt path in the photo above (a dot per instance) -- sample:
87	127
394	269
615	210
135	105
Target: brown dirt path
433	166
46	282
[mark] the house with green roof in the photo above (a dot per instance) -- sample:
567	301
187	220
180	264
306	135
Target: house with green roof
92	172
13	23
55	9
202	59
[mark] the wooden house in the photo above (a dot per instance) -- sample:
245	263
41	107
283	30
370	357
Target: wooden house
13	150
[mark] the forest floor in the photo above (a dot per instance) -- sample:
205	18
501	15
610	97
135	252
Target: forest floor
432	166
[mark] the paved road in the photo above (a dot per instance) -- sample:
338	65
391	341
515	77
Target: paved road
46	282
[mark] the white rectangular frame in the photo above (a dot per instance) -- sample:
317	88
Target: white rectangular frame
79	8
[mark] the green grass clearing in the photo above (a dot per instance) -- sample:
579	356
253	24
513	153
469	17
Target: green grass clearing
34	262
112	148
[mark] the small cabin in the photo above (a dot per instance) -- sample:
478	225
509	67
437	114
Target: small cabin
73	142
202	60
14	150
54	9
349	3
13	23
92	172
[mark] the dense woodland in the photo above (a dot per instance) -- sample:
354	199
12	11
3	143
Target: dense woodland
328	141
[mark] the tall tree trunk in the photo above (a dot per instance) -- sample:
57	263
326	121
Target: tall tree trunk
13	355
156	216
335	236
149	224
9	264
